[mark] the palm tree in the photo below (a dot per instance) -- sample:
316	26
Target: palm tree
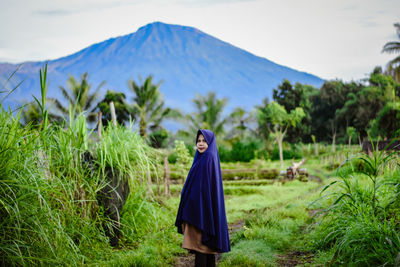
33	114
208	114
394	47
77	96
148	105
240	120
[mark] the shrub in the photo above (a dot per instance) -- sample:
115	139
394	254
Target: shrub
287	153
361	225
158	138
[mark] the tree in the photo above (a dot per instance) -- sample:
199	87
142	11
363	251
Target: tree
208	114
351	132
365	103
387	122
263	130
277	116
121	107
77	95
393	47
327	119
291	97
148	105
240	120
158	138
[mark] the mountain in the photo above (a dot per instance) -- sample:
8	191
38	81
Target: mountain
187	60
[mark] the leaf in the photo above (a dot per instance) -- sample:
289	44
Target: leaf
327	186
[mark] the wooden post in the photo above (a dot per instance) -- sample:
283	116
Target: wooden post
99	124
113	116
166	176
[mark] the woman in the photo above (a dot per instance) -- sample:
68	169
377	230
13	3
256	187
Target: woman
201	215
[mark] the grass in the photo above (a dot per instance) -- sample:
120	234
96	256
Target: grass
359	225
273	219
50	214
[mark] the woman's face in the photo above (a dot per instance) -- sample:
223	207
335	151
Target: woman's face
201	144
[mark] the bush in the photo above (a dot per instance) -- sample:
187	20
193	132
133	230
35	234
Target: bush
172	157
158	138
361	224
287	153
241	151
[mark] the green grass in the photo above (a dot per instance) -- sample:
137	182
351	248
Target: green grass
359	225
273	219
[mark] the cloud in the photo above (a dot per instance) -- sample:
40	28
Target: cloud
368	22
54	12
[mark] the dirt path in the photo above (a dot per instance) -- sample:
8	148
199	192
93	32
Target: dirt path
188	259
294	258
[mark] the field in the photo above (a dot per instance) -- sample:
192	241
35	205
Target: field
73	196
52	215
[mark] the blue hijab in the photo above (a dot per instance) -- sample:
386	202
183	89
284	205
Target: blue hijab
202	198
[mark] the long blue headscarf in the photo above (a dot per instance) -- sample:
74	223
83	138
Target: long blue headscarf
202	198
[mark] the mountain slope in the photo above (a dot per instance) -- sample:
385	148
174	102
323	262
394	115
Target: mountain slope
187	60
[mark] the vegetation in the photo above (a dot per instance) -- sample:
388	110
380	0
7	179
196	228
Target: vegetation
393	67
148	105
122	109
77	95
360	224
208	114
53	172
277	116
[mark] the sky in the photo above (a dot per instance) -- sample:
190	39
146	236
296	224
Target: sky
333	39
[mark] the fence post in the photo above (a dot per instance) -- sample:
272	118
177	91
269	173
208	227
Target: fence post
166	176
99	124
113	116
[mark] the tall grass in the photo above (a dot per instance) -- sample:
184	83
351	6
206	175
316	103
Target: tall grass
48	206
360	226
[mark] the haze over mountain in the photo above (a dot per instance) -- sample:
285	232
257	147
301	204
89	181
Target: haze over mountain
187	60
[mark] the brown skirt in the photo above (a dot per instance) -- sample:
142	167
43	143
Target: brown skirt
192	239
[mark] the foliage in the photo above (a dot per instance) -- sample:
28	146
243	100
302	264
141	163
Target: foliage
329	116
121	107
242	151
148	105
42	104
361	225
48	192
208	114
394	47
183	159
291	97
351	133
276	115
240	120
288	153
158	138
263	130
387	121
77	95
